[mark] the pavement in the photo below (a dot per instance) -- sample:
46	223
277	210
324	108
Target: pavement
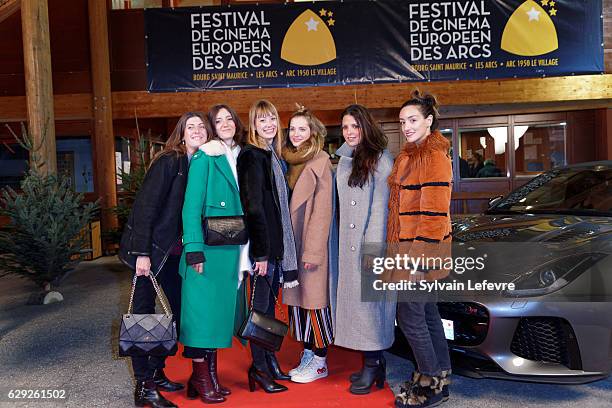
71	346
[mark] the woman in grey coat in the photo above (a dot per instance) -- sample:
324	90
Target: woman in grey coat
361	217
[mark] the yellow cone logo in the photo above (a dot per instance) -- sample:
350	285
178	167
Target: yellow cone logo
530	30
308	41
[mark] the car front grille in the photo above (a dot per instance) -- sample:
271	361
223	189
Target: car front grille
547	339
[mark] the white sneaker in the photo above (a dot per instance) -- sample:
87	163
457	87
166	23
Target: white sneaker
307	355
316	368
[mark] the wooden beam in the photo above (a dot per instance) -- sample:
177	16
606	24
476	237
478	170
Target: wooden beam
104	140
38	79
8	8
459	99
66	107
511	91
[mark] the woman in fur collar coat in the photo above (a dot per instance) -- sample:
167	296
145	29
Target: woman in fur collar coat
211	273
310	180
419	225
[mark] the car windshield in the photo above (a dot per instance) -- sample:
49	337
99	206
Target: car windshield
580	191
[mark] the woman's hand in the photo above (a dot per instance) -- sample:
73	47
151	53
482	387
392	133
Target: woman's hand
143	266
199	267
261	268
309	266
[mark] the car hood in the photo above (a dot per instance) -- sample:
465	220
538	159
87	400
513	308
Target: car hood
567	229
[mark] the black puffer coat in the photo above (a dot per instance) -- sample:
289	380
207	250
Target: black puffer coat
155	223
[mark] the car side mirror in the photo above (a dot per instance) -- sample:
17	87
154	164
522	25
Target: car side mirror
495	200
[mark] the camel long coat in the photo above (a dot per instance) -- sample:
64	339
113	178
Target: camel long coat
362	219
311	214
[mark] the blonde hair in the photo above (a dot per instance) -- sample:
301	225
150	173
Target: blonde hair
318	132
261	108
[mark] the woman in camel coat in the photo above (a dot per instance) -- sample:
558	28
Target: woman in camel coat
310	178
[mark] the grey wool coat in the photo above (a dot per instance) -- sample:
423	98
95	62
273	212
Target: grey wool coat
311	214
359	325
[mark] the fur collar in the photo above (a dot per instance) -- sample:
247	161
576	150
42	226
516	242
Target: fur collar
414	156
213	148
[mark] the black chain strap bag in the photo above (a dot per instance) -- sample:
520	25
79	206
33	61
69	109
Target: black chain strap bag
263	330
147	334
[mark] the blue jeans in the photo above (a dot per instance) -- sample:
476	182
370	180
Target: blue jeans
421	324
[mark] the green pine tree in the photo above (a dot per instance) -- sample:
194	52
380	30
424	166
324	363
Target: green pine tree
43	239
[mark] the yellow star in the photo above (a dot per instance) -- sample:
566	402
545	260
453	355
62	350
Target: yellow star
331	22
329	14
552	4
544	2
553	12
322	12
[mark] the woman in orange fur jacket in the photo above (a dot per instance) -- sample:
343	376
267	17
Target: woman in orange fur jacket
419	225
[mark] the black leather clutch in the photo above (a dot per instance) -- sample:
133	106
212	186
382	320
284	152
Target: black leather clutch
225	231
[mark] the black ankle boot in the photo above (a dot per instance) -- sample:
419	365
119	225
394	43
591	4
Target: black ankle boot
163	383
373	372
275	368
264	380
355	376
146	395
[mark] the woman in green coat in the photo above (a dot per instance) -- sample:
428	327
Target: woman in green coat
210	273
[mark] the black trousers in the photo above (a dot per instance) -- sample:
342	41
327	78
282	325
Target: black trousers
144	302
264	303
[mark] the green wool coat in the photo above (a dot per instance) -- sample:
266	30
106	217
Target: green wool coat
208	307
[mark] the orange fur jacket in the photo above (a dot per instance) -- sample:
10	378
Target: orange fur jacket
419	204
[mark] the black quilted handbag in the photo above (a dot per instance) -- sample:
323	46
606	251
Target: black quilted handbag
263	330
225	231
147	334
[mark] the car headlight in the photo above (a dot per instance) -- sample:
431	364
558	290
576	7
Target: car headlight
553	275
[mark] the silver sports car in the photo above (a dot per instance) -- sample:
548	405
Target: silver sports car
556	325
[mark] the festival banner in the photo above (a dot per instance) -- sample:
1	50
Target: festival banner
337	43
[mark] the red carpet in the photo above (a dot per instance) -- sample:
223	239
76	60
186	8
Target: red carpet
327	392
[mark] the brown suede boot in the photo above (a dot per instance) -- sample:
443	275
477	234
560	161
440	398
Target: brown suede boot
200	384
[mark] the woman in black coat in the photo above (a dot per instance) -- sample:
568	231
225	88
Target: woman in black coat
264	196
151	244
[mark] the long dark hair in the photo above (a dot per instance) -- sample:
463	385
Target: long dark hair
427	105
175	144
368	151
240	136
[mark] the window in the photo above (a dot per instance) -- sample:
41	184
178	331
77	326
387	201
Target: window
75	162
122	159
333	141
448	134
539	148
13	164
482	152
136	4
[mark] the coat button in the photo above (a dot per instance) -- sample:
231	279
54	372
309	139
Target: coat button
353	202
222	203
353	248
352	226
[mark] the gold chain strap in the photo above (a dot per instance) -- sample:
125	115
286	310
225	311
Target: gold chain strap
157	291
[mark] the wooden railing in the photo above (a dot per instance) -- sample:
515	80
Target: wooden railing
465	196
